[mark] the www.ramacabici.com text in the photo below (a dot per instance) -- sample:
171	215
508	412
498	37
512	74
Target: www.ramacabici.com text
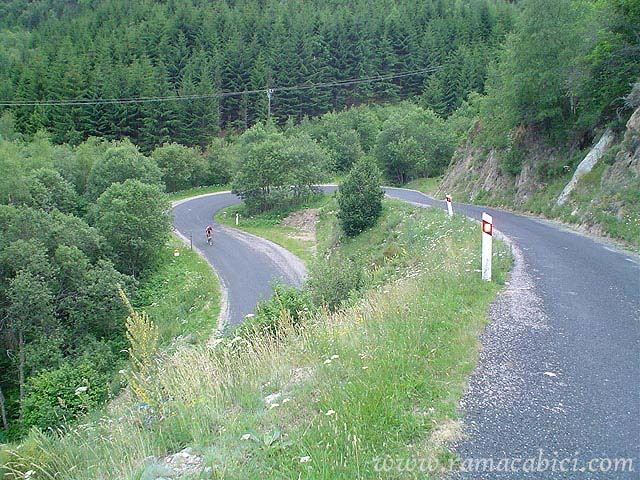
541	462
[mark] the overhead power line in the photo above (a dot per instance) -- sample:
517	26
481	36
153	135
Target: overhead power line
182	98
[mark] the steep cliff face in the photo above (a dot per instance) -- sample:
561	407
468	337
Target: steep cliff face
613	190
604	195
628	158
475	174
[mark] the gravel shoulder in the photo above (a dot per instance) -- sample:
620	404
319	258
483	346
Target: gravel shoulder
554	378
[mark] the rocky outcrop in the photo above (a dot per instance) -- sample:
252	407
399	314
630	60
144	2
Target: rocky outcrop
475	173
628	159
604	201
586	165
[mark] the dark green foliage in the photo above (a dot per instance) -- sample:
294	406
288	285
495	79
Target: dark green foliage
360	198
134	219
76	168
287	307
120	162
413	143
566	68
181	167
277	171
57	293
118	49
612	65
219	163
48	190
19	161
62	394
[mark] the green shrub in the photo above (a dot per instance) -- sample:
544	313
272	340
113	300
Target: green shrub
180	166
134	219
285	303
55	397
219	157
121	161
360	198
511	162
333	280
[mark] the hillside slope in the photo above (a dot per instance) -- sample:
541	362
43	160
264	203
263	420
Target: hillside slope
605	201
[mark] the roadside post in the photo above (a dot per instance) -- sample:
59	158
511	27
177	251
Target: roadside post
237	218
449	206
487	246
190	240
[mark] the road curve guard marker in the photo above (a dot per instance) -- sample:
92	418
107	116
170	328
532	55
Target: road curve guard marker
487	246
449	206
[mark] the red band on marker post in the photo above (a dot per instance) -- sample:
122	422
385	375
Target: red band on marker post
487	251
449	205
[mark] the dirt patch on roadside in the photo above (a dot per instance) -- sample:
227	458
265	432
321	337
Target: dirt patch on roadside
304	221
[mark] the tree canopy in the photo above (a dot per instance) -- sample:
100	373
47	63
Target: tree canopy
116	49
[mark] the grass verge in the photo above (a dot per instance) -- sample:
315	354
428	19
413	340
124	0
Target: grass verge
182	296
424	185
192	192
330	399
268	225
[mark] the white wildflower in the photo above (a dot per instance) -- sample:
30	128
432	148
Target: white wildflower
82	389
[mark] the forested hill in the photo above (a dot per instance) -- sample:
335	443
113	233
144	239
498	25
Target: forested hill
117	49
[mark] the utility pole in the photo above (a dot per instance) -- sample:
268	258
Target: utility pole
269	93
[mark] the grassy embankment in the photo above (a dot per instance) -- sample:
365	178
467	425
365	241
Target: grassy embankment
424	185
378	378
182	295
614	209
268	225
192	192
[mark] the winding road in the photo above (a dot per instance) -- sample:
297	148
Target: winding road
247	265
558	379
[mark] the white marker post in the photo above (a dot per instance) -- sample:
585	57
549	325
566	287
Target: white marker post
487	247
237	218
449	206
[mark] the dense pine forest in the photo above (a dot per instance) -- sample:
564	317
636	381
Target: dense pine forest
175	97
115	49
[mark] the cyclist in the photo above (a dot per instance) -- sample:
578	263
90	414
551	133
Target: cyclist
209	234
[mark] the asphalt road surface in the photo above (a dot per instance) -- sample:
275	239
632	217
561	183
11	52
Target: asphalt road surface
247	265
556	393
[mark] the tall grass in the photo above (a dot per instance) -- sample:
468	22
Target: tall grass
182	295
326	400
